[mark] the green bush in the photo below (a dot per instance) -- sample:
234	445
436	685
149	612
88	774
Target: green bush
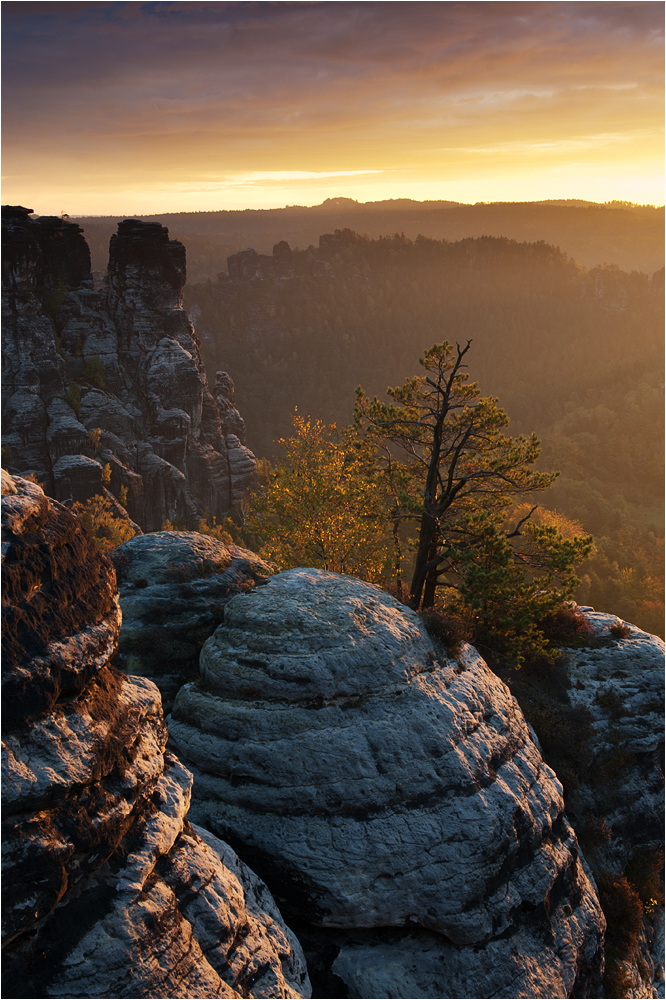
73	396
54	300
94	371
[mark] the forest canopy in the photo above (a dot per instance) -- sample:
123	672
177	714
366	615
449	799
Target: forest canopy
574	354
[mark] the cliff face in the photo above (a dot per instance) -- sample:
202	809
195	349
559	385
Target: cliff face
108	890
124	362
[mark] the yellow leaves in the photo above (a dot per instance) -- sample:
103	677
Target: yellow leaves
100	520
323	505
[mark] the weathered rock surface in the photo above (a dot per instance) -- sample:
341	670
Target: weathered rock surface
107	889
620	686
173	589
123	360
378	785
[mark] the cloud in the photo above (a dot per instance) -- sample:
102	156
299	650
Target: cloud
601	140
257	177
218	89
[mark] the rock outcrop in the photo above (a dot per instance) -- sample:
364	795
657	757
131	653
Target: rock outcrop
248	265
620	798
108	891
113	377
394	799
173	589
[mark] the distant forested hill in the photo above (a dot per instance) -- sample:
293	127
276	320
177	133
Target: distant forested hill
619	233
575	354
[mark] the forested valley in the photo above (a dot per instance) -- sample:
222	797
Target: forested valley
574	354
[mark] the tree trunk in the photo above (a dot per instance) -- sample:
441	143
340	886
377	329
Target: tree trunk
431	580
423	555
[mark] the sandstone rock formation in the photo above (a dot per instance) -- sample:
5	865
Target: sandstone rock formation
395	800
173	589
620	686
108	891
124	361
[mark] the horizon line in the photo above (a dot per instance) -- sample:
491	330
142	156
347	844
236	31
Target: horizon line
340	201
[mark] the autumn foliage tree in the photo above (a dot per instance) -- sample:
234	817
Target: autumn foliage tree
435	457
323	504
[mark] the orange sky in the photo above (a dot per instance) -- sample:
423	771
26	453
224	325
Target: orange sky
136	108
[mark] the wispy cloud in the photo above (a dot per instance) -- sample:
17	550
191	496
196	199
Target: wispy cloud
258	177
601	140
247	94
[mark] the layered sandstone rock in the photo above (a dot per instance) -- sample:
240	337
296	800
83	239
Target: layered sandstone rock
108	891
619	685
123	362
174	586
393	799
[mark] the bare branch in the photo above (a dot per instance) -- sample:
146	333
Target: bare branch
516	531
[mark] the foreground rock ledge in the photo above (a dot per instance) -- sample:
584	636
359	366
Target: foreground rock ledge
376	784
108	891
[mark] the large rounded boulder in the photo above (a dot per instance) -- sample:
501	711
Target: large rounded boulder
387	794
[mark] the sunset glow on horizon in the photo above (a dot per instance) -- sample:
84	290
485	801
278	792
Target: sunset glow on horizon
148	107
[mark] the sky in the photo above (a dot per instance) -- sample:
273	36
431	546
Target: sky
115	108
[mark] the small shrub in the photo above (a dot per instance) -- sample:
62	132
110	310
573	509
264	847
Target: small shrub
620	630
73	396
567	627
645	873
624	915
182	572
447	627
613	764
610	701
94	371
101	522
95	441
176	525
595	831
106	474
54	300
215	530
122	496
